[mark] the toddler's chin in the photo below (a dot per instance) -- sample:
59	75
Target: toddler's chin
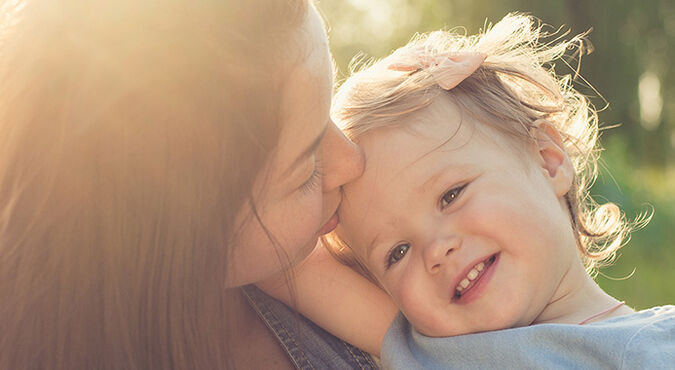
436	331
440	330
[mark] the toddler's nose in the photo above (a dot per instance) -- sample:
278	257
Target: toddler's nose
437	253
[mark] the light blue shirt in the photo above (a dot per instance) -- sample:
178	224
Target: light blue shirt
642	340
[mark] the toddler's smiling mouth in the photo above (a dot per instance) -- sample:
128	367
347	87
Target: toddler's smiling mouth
473	276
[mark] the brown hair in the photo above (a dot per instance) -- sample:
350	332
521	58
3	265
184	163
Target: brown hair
130	135
515	86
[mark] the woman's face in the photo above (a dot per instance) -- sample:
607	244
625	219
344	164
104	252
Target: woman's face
298	194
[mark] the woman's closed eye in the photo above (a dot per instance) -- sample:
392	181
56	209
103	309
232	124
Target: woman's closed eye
397	253
450	196
313	182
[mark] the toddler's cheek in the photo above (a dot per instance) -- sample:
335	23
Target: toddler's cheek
414	304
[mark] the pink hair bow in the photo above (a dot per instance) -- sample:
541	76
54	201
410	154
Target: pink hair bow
448	69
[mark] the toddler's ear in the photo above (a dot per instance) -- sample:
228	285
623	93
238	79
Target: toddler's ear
552	156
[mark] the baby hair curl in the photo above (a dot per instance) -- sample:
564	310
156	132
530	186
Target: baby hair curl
513	88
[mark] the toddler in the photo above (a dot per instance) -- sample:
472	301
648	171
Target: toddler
473	212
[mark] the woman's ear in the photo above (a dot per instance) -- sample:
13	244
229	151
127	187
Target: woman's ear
552	156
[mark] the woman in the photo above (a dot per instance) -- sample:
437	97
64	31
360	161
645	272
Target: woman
153	153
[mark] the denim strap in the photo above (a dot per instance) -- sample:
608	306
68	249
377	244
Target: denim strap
307	345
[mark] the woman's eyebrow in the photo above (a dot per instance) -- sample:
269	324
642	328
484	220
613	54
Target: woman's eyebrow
307	152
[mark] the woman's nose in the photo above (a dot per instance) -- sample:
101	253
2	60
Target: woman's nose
437	253
342	160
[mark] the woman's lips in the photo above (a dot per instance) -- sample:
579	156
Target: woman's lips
330	225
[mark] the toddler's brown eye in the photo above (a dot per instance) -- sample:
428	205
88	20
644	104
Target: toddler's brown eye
398	253
450	196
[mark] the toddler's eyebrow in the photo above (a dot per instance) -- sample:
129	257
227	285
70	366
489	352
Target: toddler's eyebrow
440	173
371	246
431	180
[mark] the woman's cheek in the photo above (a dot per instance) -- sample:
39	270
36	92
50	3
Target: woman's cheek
301	222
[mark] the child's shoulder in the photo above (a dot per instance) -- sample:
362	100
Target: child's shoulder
655	317
653	322
644	339
649	337
653	341
651	327
659	312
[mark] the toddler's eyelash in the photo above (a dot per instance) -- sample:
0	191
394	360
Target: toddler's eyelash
450	196
314	180
392	258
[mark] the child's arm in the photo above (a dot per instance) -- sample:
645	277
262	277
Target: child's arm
338	299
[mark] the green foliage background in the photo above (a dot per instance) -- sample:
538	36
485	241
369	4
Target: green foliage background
633	42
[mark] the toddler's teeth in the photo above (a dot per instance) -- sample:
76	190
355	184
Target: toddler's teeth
470	276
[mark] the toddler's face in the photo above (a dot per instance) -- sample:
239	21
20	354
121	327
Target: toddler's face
466	234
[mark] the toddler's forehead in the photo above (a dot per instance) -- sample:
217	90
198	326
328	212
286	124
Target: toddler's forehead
390	152
395	163
367	199
397	158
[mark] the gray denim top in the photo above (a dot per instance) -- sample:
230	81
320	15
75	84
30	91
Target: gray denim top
307	345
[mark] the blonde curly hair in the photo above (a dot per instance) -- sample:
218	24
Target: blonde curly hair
512	89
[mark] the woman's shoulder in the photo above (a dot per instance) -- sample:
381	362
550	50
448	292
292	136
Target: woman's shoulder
305	343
